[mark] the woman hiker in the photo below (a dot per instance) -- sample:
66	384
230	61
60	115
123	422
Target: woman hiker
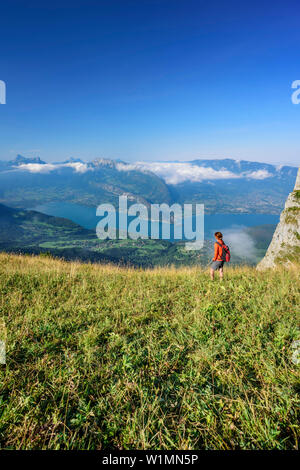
218	259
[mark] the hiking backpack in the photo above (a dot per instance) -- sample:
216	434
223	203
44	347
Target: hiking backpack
225	252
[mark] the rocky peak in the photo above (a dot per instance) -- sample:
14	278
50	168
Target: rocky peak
285	245
297	184
19	160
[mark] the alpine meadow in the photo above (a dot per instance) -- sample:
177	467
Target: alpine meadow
107	357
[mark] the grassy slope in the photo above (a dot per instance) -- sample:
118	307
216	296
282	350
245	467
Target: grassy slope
101	356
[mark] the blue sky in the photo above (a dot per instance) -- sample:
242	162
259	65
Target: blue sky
150	80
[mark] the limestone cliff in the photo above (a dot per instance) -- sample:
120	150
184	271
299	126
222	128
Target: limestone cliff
285	245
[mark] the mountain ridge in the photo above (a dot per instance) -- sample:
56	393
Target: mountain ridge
222	185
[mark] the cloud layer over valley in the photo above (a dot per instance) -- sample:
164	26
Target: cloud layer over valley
173	173
48	167
180	172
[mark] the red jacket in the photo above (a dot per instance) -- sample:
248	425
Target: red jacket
218	251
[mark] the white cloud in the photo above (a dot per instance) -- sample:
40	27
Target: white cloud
36	167
47	167
78	167
175	173
171	172
258	175
179	172
240	242
128	167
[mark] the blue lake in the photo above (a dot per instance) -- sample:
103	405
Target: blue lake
86	217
